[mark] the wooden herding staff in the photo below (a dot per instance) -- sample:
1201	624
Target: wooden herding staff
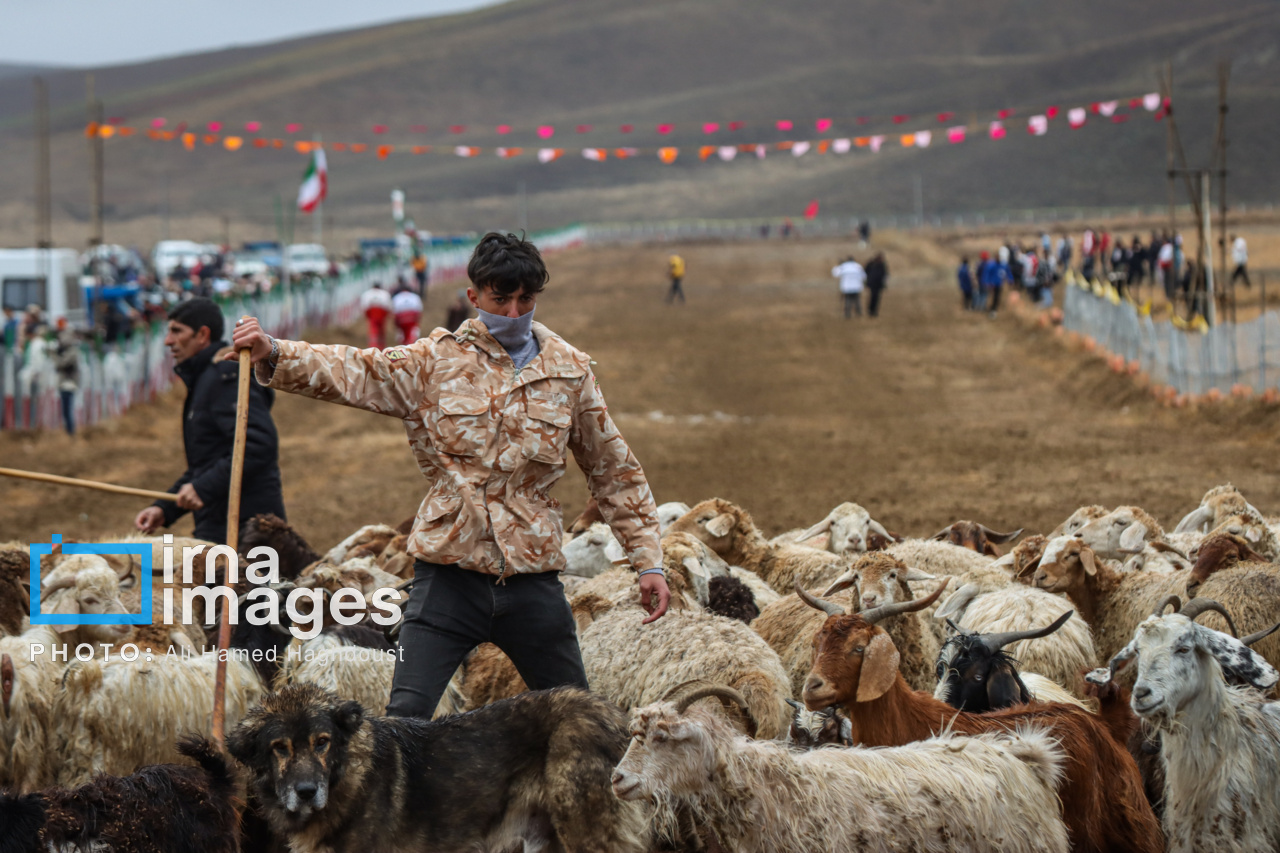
87	484
233	541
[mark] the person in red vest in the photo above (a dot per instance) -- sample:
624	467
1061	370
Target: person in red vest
406	307
376	304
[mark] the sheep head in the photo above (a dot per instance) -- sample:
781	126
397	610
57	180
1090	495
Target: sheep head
975	537
720	524
673	743
1177	660
1077	520
879	578
1218	552
975	674
669	513
1065	566
688	556
854	660
1254	529
1217	504
1124	530
93	591
848	528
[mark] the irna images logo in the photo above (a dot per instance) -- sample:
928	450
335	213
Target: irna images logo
305	609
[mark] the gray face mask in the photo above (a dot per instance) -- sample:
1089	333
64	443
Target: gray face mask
514	333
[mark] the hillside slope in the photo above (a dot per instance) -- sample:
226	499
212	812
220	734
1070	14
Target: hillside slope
609	62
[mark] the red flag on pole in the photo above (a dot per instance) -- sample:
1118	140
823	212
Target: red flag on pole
812	210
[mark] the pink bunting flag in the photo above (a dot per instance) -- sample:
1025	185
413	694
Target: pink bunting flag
727	152
418	128
252	126
842	145
1004	114
627	128
799	149
923	138
596	154
955	134
1076	116
823	125
379	128
664	129
783	124
503	129
585	128
546	155
215	126
760	152
1134	103
1051	112
943	118
811	210
737	125
158	123
1108	108
900	119
546	131
1151	102
1038	125
457	128
710	127
997	130
876	142
292	127
1120	118
864	119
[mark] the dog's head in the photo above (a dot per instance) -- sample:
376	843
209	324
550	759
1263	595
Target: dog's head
295	743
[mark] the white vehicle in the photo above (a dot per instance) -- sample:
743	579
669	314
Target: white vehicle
168	255
49	278
306	259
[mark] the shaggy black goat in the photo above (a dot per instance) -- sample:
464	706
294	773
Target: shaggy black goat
164	808
975	674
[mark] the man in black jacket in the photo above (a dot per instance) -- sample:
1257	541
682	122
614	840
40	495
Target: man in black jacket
208	431
877	281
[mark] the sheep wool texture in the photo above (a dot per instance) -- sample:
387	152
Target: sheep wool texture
951	793
28	757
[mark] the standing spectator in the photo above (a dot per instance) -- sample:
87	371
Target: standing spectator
877	280
852	279
1240	257
1164	263
67	363
675	269
419	264
459	312
979	292
376	305
1104	250
864	232
1046	243
1029	264
12	328
1064	252
1044	281
786	228
1153	256
1137	263
992	279
1087	246
406	306
34	326
964	277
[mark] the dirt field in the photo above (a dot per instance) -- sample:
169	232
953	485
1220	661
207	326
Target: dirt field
756	391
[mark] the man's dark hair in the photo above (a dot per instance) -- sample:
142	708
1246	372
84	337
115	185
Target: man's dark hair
507	264
199	312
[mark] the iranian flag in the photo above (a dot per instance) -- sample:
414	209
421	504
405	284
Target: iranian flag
315	183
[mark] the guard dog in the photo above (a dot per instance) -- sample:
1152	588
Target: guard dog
529	772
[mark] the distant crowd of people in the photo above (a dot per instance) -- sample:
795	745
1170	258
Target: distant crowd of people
853	278
404	307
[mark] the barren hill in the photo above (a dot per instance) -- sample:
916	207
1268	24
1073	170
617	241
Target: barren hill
609	62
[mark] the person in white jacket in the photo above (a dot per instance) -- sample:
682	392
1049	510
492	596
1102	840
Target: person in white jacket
406	308
852	280
1240	257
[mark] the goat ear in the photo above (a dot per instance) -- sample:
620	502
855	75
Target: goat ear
1253	534
915	576
879	668
1088	561
956	603
1241	664
349	716
1133	537
720	525
990	550
240	742
1028	569
69	605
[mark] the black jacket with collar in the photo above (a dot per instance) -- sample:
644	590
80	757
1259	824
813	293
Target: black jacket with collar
208	433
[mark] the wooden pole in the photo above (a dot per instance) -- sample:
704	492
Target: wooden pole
87	484
233	540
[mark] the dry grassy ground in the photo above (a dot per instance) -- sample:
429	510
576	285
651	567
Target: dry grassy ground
756	391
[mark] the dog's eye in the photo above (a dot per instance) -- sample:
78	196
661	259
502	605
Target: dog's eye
322	742
280	749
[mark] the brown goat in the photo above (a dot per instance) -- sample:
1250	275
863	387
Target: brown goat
1224	551
856	667
975	537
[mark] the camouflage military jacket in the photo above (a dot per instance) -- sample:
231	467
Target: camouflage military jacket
491	441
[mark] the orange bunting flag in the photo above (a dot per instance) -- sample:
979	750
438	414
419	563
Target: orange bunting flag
106	131
232	143
421	149
155	134
862	141
546	155
668	155
125	131
210	139
596	154
706	151
339	146
91	130
466	151
823	145
303	147
358	147
189	141
907	140
261	143
624	153
507	153
384	151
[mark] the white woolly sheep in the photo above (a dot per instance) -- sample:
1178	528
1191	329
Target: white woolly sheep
1220	744
937	558
845	529
28	682
731	533
588	554
115	716
1077	520
372	537
1121	533
982	793
1217	504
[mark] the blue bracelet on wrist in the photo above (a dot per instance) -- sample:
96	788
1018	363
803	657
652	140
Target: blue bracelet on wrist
651	571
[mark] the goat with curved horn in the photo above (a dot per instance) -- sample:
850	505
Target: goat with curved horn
1168	599
884	611
1195	520
999	538
996	642
64	582
1197	606
1261	635
727	695
828	607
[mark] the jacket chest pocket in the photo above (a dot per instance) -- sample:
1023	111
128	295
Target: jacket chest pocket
547	430
462	425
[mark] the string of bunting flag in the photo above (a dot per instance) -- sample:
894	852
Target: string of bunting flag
1115	111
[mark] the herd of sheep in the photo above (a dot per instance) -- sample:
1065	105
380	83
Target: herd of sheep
1103	686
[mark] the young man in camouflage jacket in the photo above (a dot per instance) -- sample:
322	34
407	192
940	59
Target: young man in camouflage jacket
490	411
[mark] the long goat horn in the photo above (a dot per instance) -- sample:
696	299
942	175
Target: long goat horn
1197	606
726	695
884	611
996	642
1168	599
828	607
1253	638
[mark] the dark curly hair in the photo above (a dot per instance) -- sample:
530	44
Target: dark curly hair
507	264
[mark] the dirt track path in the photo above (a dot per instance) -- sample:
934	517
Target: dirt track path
766	397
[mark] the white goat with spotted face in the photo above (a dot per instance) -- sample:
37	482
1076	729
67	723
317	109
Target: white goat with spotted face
1221	744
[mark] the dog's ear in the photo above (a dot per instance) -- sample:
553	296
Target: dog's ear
240	742
349	716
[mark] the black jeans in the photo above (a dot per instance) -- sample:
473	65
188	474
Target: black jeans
452	610
873	307
676	290
852	303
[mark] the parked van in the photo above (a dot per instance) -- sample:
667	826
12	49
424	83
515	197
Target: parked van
49	278
168	255
306	259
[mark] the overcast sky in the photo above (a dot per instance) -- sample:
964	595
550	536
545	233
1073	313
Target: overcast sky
110	32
